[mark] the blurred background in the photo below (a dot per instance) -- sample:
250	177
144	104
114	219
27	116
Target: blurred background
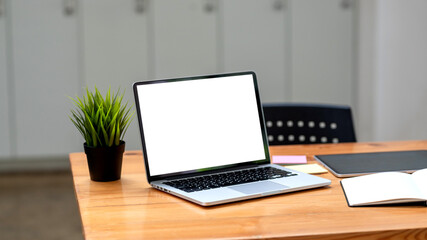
369	54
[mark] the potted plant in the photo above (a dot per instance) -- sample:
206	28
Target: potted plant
102	121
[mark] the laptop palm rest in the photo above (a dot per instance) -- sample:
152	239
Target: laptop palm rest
259	187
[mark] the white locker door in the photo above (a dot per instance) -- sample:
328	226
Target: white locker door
185	37
45	71
115	43
322	51
256	37
4	96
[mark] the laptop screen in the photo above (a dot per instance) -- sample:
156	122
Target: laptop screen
200	123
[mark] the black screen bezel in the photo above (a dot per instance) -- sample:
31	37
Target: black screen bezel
150	178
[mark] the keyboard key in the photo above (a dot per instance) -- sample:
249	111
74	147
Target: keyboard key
229	178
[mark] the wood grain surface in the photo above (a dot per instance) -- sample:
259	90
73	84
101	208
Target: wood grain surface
131	209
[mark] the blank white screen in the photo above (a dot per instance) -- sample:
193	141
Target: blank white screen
197	124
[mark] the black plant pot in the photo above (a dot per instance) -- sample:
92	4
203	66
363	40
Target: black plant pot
105	163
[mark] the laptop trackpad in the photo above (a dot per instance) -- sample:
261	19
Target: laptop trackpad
259	187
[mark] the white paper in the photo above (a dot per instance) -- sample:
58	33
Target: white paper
420	178
381	188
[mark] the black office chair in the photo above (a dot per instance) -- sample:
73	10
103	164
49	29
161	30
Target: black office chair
298	123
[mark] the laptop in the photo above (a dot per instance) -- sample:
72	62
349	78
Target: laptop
204	140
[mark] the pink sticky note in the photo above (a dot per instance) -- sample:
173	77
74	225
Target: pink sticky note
290	159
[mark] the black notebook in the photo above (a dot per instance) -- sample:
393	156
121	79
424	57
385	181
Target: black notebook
355	164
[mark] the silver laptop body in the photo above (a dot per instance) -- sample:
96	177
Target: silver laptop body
204	139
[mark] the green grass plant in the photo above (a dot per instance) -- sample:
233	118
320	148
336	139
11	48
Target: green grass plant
102	120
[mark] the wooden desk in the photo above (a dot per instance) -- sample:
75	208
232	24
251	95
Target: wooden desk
131	209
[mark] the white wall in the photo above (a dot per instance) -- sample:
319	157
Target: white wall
392	70
4	90
394	58
363	114
402	70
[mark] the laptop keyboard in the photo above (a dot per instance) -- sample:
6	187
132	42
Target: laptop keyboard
229	178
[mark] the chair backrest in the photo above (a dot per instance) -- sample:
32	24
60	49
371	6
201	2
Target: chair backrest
298	123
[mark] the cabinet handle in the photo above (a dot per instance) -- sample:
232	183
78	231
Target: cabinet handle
2	8
140	6
346	4
70	7
209	6
279	5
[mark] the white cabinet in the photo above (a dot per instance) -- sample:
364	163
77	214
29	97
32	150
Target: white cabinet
4	87
301	50
256	37
115	49
184	37
322	51
45	71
